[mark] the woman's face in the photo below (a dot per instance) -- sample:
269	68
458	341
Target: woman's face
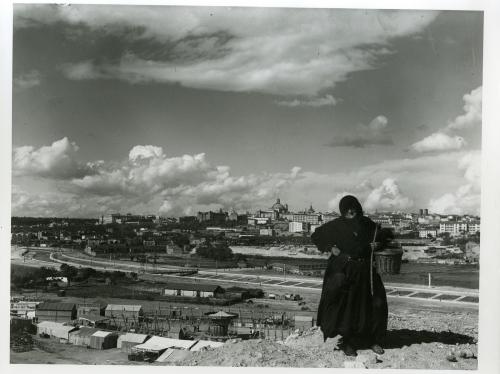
351	213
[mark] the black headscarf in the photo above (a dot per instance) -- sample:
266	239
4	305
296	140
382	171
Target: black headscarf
350	202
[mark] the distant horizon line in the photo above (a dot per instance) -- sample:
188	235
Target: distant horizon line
194	215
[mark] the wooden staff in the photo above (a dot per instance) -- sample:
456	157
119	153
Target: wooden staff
371	260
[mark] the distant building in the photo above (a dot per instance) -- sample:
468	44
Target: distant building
81	337
232	215
428	232
327	217
312	218
267	232
473	227
472	251
298	227
56	312
188	219
313	228
212	217
85	309
23	309
192	290
124	311
126	218
253	221
279	208
453	227
173	248
55	329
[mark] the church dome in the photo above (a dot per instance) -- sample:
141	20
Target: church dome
278	206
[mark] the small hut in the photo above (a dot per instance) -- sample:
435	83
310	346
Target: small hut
157	345
103	340
56	312
82	336
219	322
127	341
55	329
93	320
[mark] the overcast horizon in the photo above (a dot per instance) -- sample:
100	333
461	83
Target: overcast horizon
173	110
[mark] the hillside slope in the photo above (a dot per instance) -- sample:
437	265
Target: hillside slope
423	340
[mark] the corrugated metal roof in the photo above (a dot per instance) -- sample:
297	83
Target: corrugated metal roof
84	331
50	324
101	334
56	306
157	343
191	287
165	355
126	308
133	338
222	314
57	326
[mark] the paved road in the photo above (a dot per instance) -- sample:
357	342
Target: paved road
437	295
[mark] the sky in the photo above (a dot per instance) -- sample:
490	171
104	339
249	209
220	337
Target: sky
173	110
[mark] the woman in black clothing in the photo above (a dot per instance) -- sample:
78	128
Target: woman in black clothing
347	306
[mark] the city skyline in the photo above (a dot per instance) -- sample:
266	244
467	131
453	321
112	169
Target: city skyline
233	107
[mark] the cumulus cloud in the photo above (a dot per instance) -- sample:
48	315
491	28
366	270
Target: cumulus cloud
473	111
55	161
387	197
439	142
269	50
45	204
446	139
28	80
327	100
182	182
375	133
148	180
467	197
144	152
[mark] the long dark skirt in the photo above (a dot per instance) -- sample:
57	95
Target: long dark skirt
346	306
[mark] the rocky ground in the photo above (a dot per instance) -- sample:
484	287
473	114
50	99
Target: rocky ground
424	340
417	339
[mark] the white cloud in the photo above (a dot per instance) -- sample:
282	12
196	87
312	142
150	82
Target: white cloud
379	123
387	197
149	181
375	133
445	140
327	100
270	50
466	199
55	161
473	111
143	152
439	142
181	182
44	204
28	80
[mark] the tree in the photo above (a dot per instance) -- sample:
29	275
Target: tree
69	272
218	250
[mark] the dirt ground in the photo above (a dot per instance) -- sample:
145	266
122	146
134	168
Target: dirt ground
51	351
417	339
421	341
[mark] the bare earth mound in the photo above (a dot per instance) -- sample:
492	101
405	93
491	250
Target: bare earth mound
426	340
